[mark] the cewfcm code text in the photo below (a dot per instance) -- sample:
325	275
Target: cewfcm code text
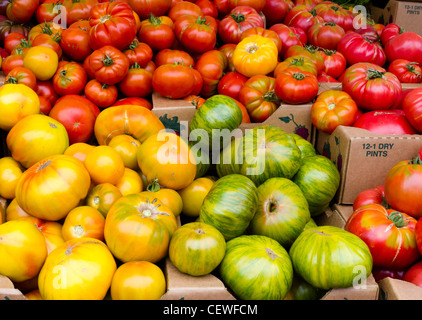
212	309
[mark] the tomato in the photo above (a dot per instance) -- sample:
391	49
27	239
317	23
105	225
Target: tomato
81	262
21	11
418	234
138	52
287	37
146	281
10	172
184	8
401	187
137	101
370	196
406	71
334	63
70	78
138	228
259	97
102	197
108	64
104	164
144	8
295	86
103	95
412	106
126	146
371	86
23	250
138	82
385	122
266	33
157	34
389	234
307	51
331	109
42	61
50	41
78	10
166	157
208	8
22	75
193	195
413	274
301	16
211	65
196	34
134	120
112	24
131	182
12	61
79	150
390	31
14	211
407	45
325	35
231	83
357	49
381	273
83	221
275	10
169	56
8	26
74	41
12	40
167	196
38	187
167	78
302	63
76	100
332	12
49	28
238	20
48	10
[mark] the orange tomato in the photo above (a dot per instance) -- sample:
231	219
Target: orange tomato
102	197
131	182
139	229
52	187
51	230
126	146
79	150
36	137
80	269
42	61
104	165
10	172
83	221
22	250
33	295
14	211
138	280
168	158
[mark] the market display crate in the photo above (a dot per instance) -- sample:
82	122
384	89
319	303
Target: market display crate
395	289
8	290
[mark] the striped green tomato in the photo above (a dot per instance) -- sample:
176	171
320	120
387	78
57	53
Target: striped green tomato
257	268
306	148
197	248
319	179
282	211
264	152
329	257
230	205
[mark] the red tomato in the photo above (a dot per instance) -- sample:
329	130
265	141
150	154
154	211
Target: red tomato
406	71
390	31
103	95
22	75
46	89
208	8
323	77
238	20
414	274
21	11
76	99
228	50
385	122
167	78
381	273
48	10
75	41
138	101
357	49
407	45
372	87
184	8
138	52
370	196
144	8
211	65
70	78
301	16
412	106
334	63
51	41
78	10
113	24
258	5
169	56
275	10
12	40
156	34
389	234
325	35
332	12
137	82
287	37
231	83
295	86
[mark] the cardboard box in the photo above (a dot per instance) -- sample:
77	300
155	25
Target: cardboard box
363	158
395	289
337	216
8	291
407	14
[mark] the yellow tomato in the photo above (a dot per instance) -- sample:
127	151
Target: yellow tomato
42	61
22	250
79	269
131	182
36	137
104	165
138	280
102	197
171	198
10	172
79	150
16	102
14	211
126	146
194	194
83	221
255	55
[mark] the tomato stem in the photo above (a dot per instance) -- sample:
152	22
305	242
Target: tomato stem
154	186
11	79
108	61
375	74
411	68
238	17
398	219
298	76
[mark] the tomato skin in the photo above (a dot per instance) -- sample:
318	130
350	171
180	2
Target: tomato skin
211	65
169	56
325	35
231	83
112	24
12	61
332	12
157	34
103	95
197	35
102	197
287	37
193	195
42	61
12	40
167	78
389	234
75	41
78	10
292	84
138	82
407	45
390	31
370	196
21	11
275	11
146	7
22	75
371	86
70	78
10	172
331	109
401	187
412	106
406	71
385	122
334	63
83	221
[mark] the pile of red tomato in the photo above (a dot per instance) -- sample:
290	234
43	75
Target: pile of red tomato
79	78
387	218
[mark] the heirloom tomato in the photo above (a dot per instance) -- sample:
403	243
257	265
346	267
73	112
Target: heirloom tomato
332	12
370	196
42	61
406	71
389	234
22	75
231	83
78	10
82	262
287	37
334	63
385	122
184	8
74	41
307	51
10	172
390	31
50	41
8	26
144	8
21	11
14	211
79	150
412	106
331	109
193	195
413	274
156	34
48	10
170	56
137	101
138	228
255	55
174	81
102	197
83	221
407	45
70	78
102	94
138	52
211	65
130	182
12	61
12	40
325	35
104	164
208	8
275	10
302	63
137	82
38	187
169	197
127	147
303	17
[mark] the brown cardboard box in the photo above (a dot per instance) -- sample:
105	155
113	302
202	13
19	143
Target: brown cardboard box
337	216
395	289
8	291
407	14
363	158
